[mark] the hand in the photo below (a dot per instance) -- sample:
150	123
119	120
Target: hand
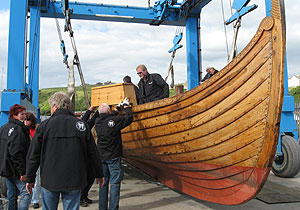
101	181
125	102
92	108
23	178
29	187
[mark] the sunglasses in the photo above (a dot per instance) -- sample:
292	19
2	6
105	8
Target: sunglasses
140	72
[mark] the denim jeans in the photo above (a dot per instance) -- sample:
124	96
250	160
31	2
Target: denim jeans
70	199
36	191
13	185
113	175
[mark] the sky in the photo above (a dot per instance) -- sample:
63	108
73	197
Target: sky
108	51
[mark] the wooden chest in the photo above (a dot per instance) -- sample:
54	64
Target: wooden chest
113	94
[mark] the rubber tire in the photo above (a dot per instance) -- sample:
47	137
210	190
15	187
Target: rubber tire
290	165
3	187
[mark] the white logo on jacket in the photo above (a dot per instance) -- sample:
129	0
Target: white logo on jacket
111	123
80	126
10	131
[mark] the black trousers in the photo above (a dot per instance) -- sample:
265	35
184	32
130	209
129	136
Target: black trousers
90	181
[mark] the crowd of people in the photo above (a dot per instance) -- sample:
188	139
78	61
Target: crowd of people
60	156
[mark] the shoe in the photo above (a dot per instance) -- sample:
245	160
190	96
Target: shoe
83	203
36	205
87	200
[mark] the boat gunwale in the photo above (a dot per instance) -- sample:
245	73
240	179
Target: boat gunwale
194	127
265	25
127	131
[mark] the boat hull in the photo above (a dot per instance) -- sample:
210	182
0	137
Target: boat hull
217	141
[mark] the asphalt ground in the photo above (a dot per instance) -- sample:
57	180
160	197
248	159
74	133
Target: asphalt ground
140	192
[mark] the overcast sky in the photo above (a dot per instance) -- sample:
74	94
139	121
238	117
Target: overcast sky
108	51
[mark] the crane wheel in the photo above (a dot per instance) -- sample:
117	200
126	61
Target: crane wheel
287	165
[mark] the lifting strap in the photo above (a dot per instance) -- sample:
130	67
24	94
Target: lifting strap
71	86
171	69
75	60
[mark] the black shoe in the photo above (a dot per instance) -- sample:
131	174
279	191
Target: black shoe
83	203
36	205
87	200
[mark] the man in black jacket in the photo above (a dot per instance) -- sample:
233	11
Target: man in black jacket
152	87
84	200
127	80
210	72
108	127
14	144
62	146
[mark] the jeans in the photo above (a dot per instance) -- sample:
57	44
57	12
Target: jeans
13	185
36	191
70	199
113	174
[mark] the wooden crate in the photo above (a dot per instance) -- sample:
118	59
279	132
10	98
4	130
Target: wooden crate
113	94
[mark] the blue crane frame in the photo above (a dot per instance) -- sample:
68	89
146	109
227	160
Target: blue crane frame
20	91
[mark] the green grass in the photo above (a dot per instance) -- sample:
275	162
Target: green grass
44	95
296	93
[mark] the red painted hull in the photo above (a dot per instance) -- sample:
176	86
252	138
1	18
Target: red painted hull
232	184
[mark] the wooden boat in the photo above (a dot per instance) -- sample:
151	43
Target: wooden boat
217	141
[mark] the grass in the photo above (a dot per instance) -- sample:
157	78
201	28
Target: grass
296	93
44	95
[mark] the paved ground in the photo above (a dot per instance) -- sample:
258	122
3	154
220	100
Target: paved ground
139	192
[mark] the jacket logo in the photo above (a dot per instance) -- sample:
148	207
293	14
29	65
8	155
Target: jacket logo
80	126
10	131
111	123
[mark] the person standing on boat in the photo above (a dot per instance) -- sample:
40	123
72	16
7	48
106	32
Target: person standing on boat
108	128
14	145
152	87
210	72
62	146
127	80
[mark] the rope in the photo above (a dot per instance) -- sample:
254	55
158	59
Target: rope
178	30
76	60
227	48
76	57
61	41
233	26
78	102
